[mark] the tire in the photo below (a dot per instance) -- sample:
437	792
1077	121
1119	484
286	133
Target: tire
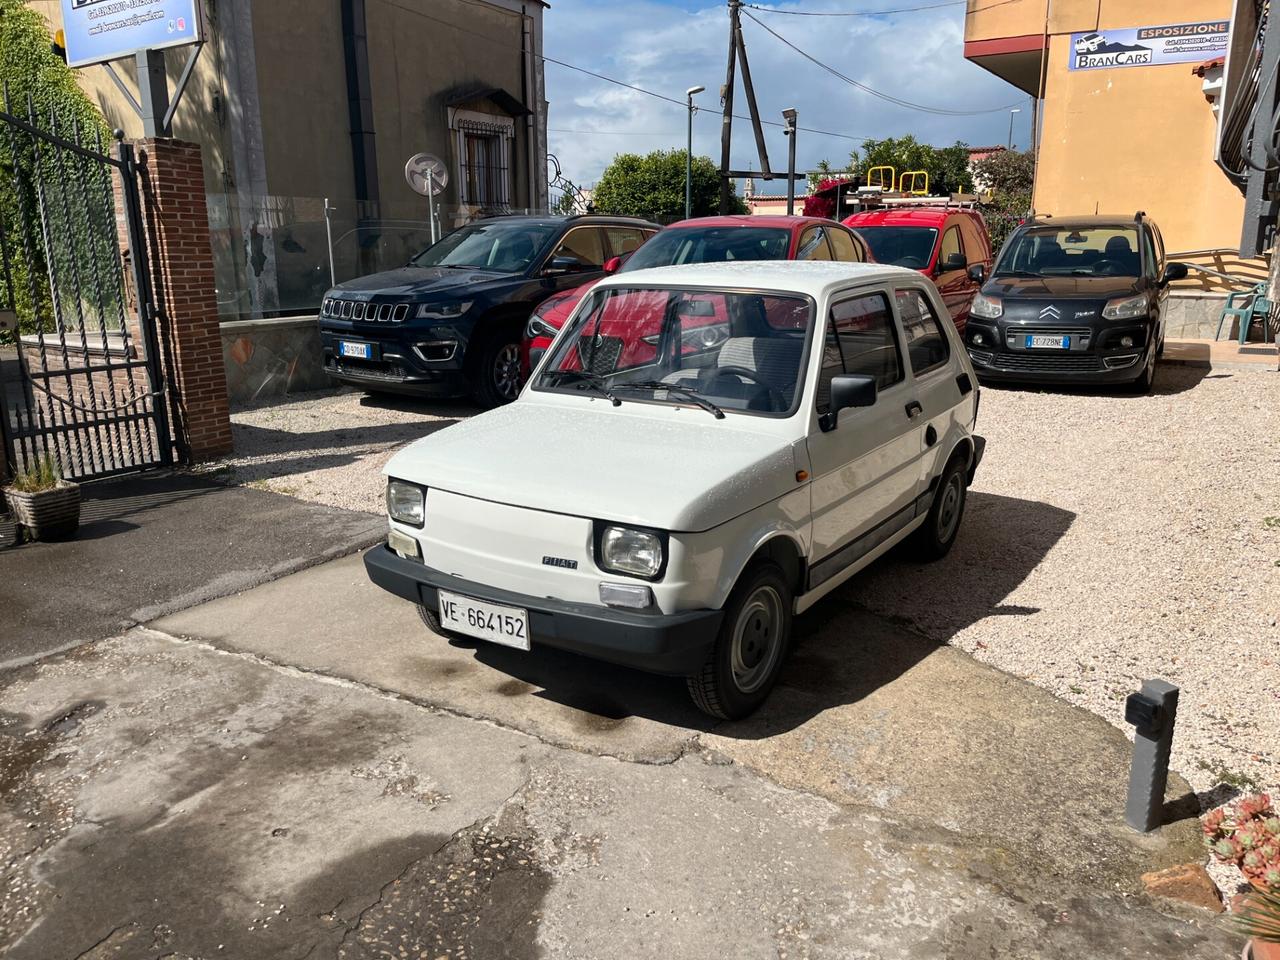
933	541
1142	385
750	648
431	619
496	376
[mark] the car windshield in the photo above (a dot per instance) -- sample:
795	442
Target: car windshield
718	349
503	247
711	245
901	246
1060	251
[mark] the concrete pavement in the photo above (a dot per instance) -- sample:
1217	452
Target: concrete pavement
166	799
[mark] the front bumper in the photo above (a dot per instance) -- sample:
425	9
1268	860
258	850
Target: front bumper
406	360
677	644
1095	356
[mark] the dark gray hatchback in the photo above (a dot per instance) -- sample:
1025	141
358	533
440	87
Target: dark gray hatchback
1078	300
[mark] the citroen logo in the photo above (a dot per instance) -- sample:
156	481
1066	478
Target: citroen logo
1050	312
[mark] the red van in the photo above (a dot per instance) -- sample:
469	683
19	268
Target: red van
943	243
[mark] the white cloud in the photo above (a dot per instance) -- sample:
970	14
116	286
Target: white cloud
913	56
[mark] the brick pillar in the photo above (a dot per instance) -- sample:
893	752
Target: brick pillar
181	259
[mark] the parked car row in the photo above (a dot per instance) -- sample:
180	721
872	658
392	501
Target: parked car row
708	439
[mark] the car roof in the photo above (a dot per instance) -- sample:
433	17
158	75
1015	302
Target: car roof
904	217
1102	220
813	277
749	220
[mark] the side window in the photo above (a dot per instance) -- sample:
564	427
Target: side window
860	339
1149	265
622	240
584	244
975	248
813	245
950	247
927	344
843	246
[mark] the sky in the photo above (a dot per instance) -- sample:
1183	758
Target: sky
667	46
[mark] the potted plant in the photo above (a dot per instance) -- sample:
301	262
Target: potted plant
43	504
1248	836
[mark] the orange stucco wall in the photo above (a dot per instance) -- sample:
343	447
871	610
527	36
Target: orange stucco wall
1128	138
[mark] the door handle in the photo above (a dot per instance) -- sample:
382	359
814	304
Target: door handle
914	409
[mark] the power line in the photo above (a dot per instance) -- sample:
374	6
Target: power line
938	111
600	76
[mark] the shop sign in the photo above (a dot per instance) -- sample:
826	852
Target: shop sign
101	30
1150	46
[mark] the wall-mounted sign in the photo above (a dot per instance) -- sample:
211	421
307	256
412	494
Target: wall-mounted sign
1150	46
101	30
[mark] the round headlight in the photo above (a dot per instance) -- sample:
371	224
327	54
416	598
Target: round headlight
979	339
637	552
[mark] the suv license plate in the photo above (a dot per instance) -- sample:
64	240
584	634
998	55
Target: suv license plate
362	350
508	626
1053	343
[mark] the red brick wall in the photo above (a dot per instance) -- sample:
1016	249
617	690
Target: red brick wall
177	224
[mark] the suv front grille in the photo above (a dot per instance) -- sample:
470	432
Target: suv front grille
1063	362
603	359
340	309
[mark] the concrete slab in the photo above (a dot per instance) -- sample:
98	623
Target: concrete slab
165	799
866	712
154	543
333	620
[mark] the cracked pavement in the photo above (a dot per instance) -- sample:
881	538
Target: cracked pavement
302	770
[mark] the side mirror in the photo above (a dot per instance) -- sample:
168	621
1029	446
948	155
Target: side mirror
613	265
559	266
978	273
848	390
955	261
1173	271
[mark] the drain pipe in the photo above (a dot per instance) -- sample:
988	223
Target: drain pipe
364	154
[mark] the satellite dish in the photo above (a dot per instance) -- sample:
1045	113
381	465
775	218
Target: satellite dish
426	174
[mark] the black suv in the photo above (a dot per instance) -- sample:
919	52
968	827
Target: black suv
449	322
1076	300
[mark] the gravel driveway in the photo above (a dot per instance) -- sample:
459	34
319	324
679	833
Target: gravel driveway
1109	539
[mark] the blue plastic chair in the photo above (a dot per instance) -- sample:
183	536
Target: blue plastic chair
1257	309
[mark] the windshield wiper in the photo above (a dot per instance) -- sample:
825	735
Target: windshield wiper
1016	273
688	392
592	380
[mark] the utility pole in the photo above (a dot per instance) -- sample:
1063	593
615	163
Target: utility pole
688	155
726	99
789	115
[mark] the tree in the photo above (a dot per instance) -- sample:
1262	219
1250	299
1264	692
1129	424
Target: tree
652	186
30	68
821	172
948	167
1009	176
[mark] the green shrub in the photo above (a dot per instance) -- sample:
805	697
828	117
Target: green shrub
44	474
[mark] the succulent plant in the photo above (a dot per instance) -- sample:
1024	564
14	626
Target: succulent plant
1247	836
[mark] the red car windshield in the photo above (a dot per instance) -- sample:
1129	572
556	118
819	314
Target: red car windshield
910	247
738	350
710	245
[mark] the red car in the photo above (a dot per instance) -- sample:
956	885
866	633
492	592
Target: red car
943	243
705	240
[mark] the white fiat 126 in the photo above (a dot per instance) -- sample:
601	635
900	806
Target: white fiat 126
703	453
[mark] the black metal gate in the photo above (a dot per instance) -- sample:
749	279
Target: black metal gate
80	372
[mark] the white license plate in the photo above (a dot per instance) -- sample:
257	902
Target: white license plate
508	626
362	350
1052	343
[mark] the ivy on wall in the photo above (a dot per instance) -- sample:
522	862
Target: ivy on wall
39	252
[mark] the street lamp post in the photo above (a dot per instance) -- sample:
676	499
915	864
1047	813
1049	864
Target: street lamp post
789	130
688	155
1011	113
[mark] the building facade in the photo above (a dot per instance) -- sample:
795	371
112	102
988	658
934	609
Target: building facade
299	102
1124	120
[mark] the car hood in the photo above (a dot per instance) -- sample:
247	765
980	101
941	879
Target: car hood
415	281
1063	288
672	469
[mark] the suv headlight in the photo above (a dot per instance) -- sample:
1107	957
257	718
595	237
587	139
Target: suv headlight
637	552
1127	308
444	311
988	308
406	502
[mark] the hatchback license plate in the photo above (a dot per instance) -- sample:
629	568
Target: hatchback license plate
1052	343
508	626
362	350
